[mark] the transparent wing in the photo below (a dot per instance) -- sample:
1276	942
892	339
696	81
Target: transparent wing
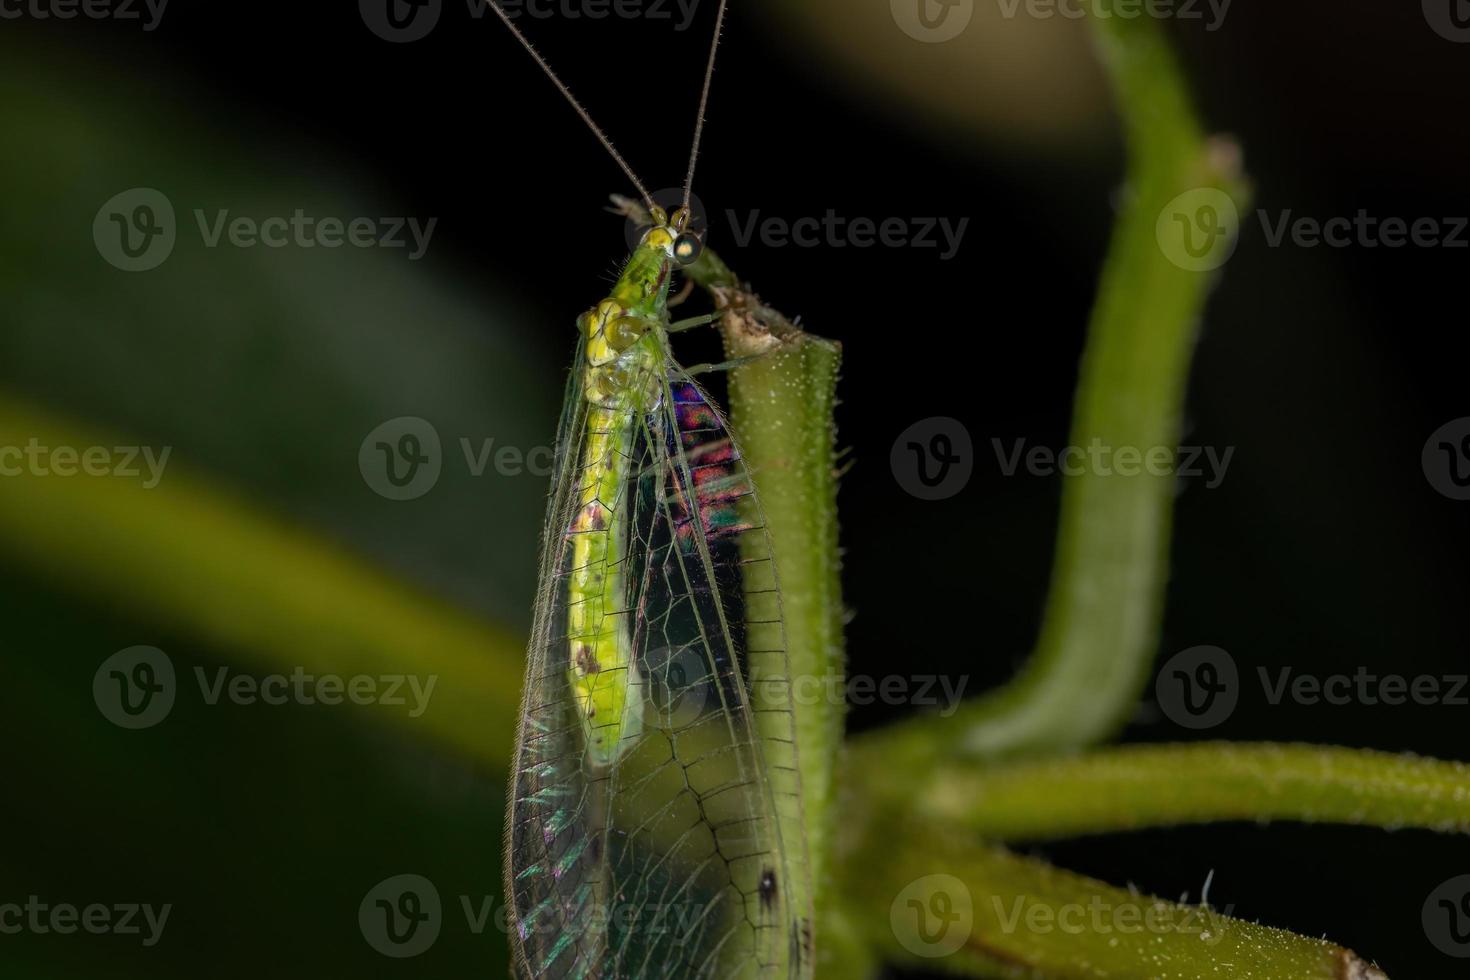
684	857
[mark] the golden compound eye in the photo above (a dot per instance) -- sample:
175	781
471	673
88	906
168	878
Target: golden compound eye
687	248
624	332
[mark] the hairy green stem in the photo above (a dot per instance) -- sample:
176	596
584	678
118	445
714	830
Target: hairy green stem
933	897
1102	616
781	406
782	400
1164	785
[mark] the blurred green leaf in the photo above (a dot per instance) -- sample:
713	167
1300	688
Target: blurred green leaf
265	367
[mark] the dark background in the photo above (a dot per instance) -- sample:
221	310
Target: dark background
1324	549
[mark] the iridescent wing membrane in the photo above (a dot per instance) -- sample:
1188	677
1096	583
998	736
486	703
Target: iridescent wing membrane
684	857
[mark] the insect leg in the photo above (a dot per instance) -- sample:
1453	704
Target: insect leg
683	294
694	321
724	365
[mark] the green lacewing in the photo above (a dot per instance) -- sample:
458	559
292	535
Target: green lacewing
654	824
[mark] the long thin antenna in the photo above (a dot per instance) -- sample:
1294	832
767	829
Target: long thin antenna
572	99
709	75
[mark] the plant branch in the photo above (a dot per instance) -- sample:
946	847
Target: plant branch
782	400
781	408
1157	786
1102	616
934	898
187	554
